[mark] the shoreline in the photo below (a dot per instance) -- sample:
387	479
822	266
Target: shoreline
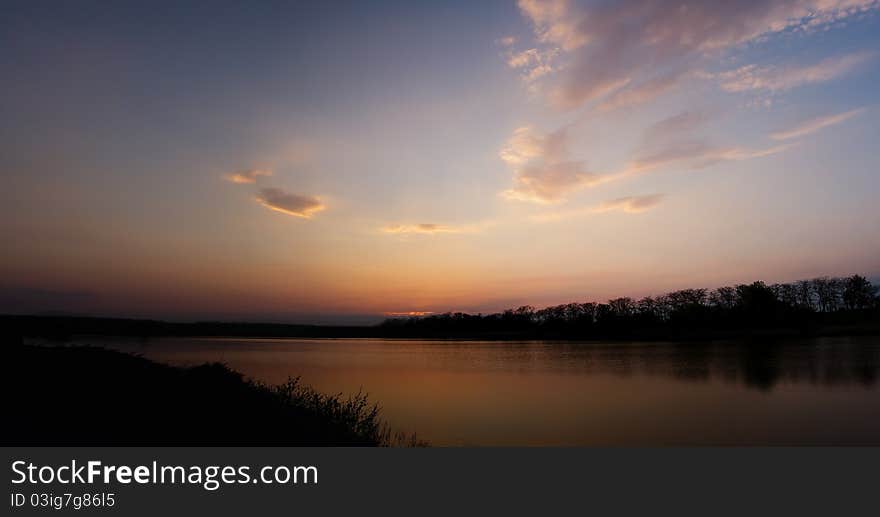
63	328
87	395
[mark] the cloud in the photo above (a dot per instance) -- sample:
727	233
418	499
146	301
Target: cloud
580	92
296	205
671	137
631	204
533	62
549	182
604	45
673	126
640	94
697	154
671	142
247	175
779	79
554	22
429	228
542	169
628	205
506	41
811	126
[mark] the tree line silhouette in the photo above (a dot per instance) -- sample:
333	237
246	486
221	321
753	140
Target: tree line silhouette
851	304
818	306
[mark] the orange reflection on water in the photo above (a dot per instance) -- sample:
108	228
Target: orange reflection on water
824	391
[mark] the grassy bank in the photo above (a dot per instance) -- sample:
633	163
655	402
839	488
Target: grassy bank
93	396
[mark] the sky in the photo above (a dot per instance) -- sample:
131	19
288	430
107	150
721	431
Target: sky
337	162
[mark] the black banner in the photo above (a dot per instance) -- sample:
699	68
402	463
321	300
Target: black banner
337	481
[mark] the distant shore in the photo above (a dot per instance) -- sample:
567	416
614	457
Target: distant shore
63	328
820	306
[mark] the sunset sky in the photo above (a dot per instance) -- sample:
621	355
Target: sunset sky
325	161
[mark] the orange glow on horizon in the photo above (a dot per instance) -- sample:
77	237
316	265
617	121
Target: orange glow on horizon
408	314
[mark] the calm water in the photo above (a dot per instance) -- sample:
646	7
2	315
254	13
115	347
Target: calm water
820	391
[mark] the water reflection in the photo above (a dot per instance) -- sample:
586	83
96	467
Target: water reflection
758	365
818	391
761	365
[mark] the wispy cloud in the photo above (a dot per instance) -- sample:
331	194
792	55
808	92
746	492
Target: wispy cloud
774	79
297	205
554	22
628	205
247	175
605	45
431	228
670	128
533	62
631	204
639	94
697	154
543	171
674	141
811	126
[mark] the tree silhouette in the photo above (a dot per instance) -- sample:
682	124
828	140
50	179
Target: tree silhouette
858	293
802	304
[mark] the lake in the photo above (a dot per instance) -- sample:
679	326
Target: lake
808	391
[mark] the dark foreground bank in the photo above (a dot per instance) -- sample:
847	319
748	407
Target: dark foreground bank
93	396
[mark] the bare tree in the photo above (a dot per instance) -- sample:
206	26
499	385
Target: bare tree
723	298
622	307
804	294
858	293
827	293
